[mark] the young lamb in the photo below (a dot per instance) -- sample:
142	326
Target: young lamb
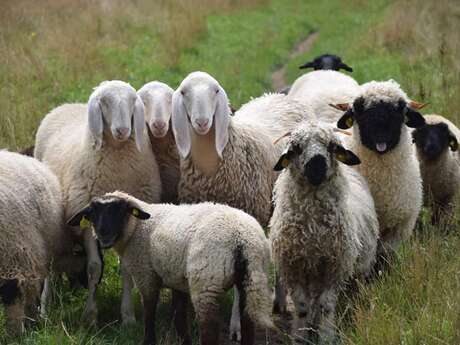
381	115
32	240
319	89
93	150
324	228
327	62
157	98
437	152
200	250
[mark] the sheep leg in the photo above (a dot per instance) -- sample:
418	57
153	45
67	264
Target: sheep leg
207	311
279	305
44	298
303	330
326	329
235	322
247	329
127	308
94	271
150	306
13	299
32	301
180	303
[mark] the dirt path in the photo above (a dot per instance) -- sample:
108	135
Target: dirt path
278	77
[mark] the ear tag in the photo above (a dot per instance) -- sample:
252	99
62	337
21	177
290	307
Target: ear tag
453	145
135	212
84	223
349	122
285	163
340	157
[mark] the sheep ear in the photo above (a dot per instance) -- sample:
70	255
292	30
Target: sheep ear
310	64
284	160
413	118
138	213
221	118
453	143
343	155
95	122
81	218
346	121
345	67
139	122
180	125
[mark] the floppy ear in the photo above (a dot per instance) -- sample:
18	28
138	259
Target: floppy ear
285	159
180	125
310	64
346	121
345	67
413	118
95	122
81	218
343	155
138	213
221	118
453	143
139	122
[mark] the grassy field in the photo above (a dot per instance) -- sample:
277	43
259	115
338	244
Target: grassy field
49	56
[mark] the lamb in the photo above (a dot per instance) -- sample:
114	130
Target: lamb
437	152
318	89
324	228
157	98
200	250
382	114
32	240
93	150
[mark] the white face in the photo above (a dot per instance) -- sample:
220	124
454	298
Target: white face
200	101
118	113
158	110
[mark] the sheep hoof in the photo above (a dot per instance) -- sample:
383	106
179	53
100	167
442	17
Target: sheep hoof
235	334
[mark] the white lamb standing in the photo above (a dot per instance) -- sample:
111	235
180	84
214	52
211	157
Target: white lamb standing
324	228
93	149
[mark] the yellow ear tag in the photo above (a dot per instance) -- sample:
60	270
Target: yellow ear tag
84	223
135	212
285	162
340	157
349	122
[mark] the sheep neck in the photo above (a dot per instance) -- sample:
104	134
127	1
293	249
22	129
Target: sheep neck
203	152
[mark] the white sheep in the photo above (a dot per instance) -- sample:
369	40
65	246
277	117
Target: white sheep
32	240
324	228
93	150
320	88
437	152
200	250
380	116
157	98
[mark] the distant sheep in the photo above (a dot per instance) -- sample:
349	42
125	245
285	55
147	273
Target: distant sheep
32	239
157	98
324	228
327	62
94	150
437	152
381	116
200	250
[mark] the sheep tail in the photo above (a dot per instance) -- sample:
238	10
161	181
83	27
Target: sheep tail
252	284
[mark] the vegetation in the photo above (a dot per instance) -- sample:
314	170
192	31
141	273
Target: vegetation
57	51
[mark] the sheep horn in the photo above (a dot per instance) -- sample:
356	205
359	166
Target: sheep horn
282	137
417	105
340	106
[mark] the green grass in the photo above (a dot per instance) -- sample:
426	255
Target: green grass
412	41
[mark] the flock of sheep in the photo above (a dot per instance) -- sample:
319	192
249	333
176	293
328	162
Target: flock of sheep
182	189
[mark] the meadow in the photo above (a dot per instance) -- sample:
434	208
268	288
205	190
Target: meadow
57	51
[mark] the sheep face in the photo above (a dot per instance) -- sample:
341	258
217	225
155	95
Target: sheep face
327	62
200	102
432	140
380	122
157	98
108	217
113	107
313	154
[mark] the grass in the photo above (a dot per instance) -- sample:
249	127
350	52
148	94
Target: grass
241	42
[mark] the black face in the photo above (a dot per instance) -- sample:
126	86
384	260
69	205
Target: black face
327	62
108	221
380	125
315	170
432	140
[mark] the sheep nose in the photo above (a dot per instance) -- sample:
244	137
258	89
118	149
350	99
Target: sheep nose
122	132
159	125
202	123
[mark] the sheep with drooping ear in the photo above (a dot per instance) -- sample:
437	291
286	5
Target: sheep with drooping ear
228	159
157	99
96	148
381	117
437	152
